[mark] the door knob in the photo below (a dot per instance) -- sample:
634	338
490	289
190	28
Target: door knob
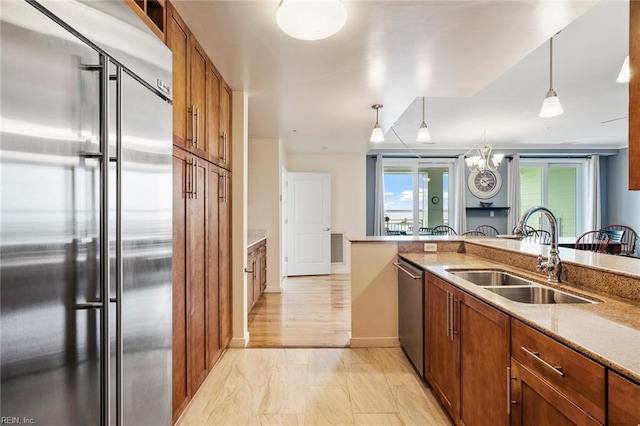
327	229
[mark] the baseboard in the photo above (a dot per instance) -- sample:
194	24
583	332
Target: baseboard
340	268
273	288
239	342
374	342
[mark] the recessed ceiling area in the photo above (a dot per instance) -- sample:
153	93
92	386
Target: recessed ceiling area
482	65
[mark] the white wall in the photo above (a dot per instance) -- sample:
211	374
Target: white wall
264	207
348	192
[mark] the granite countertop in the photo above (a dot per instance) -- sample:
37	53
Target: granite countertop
608	331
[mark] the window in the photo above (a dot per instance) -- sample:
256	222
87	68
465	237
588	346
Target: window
558	186
416	196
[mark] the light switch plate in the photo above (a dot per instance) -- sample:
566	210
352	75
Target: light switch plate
430	247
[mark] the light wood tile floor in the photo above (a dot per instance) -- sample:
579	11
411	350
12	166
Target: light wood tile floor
330	386
310	312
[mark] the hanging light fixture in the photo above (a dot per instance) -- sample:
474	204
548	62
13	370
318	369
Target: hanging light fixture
625	72
551	106
377	135
311	19
483	160
423	131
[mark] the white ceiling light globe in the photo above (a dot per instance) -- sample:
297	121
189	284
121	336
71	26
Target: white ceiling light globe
311	19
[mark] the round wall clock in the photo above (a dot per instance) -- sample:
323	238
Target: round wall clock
484	184
435	199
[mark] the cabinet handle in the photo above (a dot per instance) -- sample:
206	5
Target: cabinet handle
448	314
195	178
223	191
453	316
536	355
193	125
197	139
189	175
509	400
224	146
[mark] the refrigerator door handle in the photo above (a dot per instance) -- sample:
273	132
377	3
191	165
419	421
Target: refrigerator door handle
90	304
119	278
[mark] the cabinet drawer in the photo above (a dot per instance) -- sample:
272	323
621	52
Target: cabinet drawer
577	377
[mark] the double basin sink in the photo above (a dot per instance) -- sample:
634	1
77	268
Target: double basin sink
516	288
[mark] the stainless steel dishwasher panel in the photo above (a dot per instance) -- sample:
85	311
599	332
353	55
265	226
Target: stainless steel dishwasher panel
411	313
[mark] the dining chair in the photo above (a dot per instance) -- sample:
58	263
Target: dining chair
444	230
425	230
628	240
593	241
473	234
527	230
487	230
539	236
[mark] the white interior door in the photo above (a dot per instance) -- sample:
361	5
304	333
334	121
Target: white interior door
309	224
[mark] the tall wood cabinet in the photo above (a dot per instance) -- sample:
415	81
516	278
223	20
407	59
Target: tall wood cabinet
202	289
192	293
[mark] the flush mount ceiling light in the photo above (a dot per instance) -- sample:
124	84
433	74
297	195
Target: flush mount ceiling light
377	135
625	72
483	160
311	19
423	131
551	106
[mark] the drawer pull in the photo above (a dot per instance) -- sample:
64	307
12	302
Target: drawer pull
536	355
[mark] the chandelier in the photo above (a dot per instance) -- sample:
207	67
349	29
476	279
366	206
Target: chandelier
483	160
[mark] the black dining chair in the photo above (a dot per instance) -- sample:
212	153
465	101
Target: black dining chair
593	241
487	230
444	230
628	239
473	234
539	236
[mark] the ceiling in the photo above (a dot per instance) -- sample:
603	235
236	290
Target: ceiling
482	66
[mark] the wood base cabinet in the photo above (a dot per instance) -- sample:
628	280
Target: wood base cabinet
467	354
553	384
623	401
257	272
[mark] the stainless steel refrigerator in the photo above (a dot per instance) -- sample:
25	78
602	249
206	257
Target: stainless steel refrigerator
85	216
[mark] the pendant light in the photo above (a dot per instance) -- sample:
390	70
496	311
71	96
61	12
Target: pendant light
377	135
551	106
625	72
311	19
423	131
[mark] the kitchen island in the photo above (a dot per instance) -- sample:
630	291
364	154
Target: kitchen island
608	331
581	348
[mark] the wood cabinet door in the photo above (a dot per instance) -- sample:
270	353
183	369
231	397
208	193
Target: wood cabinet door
535	402
251	280
213	315
180	371
257	282
443	358
224	258
634	96
624	401
178	42
484	362
225	124
197	103
212	121
197	261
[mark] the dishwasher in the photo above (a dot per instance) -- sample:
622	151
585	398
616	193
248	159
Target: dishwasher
411	312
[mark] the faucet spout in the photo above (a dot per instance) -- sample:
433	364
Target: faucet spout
553	265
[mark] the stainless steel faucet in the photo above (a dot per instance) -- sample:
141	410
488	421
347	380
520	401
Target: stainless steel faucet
553	265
